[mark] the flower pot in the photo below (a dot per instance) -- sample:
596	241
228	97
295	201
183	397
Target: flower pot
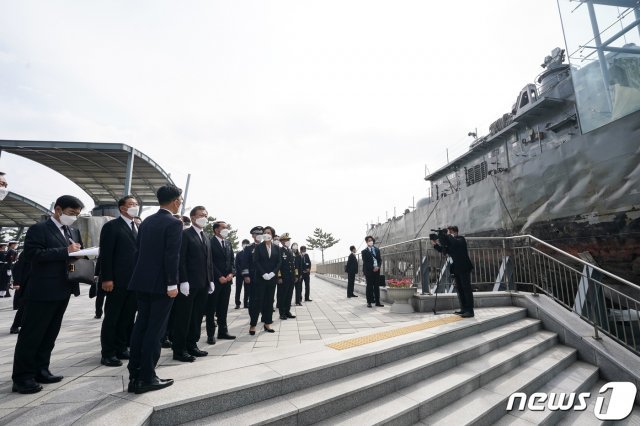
401	297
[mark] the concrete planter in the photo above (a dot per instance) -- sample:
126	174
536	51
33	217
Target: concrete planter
401	299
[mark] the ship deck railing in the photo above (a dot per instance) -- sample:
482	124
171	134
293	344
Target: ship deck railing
520	263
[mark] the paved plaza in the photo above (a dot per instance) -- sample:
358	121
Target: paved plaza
87	384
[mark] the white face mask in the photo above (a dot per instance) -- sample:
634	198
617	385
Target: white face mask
259	238
67	220
295	247
224	233
267	237
3	193
201	222
370	243
244	246
287	244
133	211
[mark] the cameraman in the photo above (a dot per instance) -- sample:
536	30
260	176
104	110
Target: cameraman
455	246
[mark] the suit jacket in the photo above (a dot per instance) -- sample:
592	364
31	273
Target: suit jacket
265	263
306	262
117	253
367	260
352	264
158	255
223	259
45	248
195	260
456	247
247	266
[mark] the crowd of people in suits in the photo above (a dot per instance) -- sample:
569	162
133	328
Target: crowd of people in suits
161	279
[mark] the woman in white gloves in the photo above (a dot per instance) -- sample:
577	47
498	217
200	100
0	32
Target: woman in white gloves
266	260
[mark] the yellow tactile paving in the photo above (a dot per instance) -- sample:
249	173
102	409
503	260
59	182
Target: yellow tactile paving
359	341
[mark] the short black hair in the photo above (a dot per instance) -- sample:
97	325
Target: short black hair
245	241
352	248
273	231
196	209
369	237
122	201
67	201
168	193
217	224
185	220
303	248
453	228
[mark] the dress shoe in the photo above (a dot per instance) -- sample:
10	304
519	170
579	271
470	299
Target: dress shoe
380	305
166	343
111	361
290	315
98	316
225	336
283	317
211	340
131	387
467	315
27	386
458	312
368	305
298	304
45	376
351	295
153	385
269	330
183	357
123	355
14	330
197	352
308	300
252	332
237	306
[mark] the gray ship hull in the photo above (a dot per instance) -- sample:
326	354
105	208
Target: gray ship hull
581	195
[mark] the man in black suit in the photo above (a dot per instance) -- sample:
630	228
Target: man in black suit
223	272
266	260
47	247
155	281
196	281
239	278
298	282
117	251
456	247
351	270
306	273
4	268
371	262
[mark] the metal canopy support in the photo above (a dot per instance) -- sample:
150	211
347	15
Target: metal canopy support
186	192
504	274
128	175
603	61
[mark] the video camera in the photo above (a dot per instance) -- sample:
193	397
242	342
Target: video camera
438	235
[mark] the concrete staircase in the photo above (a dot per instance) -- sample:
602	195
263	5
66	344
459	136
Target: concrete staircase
458	373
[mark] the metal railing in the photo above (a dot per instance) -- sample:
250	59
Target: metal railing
520	263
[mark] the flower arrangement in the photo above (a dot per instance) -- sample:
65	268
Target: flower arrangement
402	283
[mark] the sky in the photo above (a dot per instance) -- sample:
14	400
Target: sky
292	113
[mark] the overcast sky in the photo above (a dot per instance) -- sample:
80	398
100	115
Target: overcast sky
298	114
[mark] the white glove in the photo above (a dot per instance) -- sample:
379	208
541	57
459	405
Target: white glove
212	286
9	272
184	288
266	277
271	275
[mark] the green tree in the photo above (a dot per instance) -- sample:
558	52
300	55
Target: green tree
321	240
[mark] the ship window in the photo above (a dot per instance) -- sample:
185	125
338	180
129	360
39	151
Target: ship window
476	173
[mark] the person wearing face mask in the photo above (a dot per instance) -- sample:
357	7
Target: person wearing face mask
306	273
371	262
117	251
155	281
4	278
286	278
247	268
223	272
239	278
196	283
4	191
351	269
47	247
267	260
298	273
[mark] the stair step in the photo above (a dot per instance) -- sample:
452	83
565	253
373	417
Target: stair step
310	405
426	397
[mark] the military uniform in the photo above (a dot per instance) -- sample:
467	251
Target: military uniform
287	277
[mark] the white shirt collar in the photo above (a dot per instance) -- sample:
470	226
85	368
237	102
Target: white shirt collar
126	220
220	240
58	224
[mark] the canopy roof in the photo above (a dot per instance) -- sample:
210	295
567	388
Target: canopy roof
18	211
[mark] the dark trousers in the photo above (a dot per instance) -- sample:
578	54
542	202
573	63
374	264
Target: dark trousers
351	282
307	287
150	326
119	314
222	306
373	288
239	284
298	286
285	291
100	295
17	320
262	293
40	327
465	292
187	319
210	311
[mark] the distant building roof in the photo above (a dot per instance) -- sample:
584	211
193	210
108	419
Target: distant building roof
17	211
100	169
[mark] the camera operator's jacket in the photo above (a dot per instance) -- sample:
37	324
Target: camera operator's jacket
456	247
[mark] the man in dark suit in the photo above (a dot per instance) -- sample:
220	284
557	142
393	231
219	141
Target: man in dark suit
266	260
371	262
4	268
298	282
196	281
11	257
223	272
47	247
351	270
117	251
240	280
456	247
306	273
155	281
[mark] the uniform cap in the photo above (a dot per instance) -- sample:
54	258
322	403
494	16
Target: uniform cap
257	230
285	237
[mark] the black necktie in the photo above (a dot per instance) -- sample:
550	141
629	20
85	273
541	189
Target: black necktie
67	234
134	230
223	246
204	243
